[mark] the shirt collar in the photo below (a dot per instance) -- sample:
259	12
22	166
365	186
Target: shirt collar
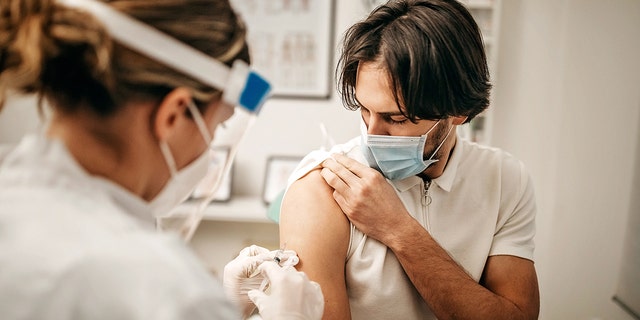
126	200
444	181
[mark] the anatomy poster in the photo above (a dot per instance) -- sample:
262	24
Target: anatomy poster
291	44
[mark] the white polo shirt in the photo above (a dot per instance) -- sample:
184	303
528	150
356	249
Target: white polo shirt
482	205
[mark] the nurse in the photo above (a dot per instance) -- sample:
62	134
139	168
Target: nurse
135	93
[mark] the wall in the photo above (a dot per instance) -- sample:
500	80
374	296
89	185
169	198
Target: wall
568	105
19	116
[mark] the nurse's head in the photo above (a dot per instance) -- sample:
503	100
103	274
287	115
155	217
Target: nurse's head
120	112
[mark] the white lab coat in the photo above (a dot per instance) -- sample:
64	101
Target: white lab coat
75	246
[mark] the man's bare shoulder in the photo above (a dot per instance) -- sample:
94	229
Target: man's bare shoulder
313	225
310	197
311	221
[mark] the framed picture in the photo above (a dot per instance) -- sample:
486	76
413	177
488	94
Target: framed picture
277	172
219	156
291	43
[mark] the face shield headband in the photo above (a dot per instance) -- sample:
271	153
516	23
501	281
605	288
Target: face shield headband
240	85
242	88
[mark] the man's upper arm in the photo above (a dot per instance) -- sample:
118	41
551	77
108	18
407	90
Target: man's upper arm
312	224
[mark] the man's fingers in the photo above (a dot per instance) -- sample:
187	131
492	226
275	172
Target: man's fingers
342	172
353	166
333	180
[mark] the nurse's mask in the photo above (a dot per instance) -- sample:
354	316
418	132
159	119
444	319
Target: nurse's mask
182	182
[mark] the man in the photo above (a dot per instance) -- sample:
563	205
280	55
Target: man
449	232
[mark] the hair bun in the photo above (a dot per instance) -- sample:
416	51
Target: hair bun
21	25
35	35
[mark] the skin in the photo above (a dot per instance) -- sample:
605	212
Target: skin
318	205
128	141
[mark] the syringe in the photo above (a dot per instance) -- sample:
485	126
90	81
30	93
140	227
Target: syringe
277	258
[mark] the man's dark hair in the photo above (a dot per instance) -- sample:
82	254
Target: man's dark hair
432	51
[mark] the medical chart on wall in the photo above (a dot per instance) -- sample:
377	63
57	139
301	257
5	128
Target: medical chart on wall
291	44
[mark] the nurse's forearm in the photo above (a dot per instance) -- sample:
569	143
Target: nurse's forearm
448	290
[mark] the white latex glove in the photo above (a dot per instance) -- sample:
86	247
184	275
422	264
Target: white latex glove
292	296
241	274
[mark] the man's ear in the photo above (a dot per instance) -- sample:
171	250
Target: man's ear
459	120
171	109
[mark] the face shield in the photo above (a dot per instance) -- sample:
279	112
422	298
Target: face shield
244	92
243	96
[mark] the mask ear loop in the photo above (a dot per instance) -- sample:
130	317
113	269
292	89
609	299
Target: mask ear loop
193	219
202	127
168	158
197	117
432	127
441	143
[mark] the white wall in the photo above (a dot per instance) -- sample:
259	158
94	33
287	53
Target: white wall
19	116
568	105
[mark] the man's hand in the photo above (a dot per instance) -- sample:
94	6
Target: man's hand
365	196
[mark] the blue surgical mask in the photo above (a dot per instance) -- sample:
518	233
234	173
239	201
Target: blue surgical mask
398	157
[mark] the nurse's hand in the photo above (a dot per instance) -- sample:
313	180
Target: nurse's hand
241	274
291	295
365	197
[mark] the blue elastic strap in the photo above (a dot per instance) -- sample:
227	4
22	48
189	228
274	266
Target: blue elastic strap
255	92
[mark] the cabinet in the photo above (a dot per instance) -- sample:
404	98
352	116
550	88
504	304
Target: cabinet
239	209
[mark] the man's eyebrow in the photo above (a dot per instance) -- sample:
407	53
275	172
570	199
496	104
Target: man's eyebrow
392	114
384	114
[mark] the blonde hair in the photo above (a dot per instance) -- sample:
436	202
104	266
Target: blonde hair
66	56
